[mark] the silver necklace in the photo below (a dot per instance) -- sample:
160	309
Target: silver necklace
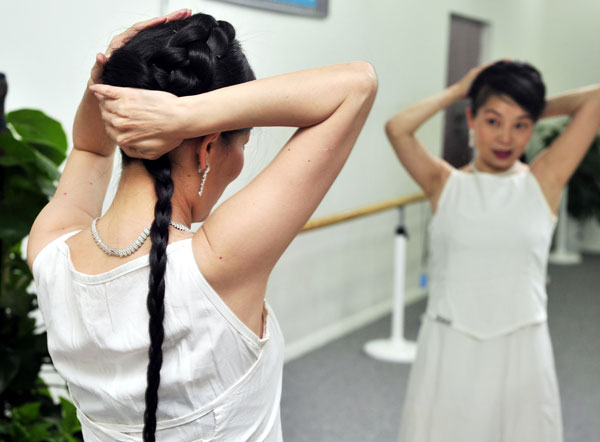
135	245
181	227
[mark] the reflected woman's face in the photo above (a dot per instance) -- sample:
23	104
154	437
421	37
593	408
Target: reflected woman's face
502	131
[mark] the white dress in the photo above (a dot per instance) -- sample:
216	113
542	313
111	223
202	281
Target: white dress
485	369
219	381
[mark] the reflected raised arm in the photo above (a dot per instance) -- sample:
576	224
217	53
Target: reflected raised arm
555	165
429	171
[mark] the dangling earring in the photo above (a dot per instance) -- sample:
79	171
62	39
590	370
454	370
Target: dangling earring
204	172
472	138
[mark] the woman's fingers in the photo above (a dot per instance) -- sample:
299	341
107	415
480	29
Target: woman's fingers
105	92
179	15
140	26
120	39
138	118
98	67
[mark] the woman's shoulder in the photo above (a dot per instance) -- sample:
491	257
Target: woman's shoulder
40	237
53	243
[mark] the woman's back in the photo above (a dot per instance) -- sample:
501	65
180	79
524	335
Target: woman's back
98	341
193	69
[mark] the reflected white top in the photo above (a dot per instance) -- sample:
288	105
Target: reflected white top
490	240
219	381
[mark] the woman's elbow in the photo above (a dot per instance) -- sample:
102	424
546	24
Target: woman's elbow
364	79
394	128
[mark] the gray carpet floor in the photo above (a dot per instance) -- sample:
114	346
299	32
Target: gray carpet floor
336	393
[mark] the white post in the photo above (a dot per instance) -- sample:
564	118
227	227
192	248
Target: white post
561	255
396	348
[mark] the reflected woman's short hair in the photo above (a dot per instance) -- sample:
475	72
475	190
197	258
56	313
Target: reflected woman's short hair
520	81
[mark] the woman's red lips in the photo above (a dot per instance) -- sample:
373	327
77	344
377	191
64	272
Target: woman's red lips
502	154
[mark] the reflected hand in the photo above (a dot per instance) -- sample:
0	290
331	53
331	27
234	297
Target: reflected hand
142	122
464	84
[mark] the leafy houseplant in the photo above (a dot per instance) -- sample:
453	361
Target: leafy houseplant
32	146
584	186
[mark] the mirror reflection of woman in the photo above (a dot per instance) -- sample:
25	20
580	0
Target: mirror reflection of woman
161	332
485	369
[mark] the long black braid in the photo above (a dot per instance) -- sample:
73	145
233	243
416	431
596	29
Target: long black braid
159	234
185	57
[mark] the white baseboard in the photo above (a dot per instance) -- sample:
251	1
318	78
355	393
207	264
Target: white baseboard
346	325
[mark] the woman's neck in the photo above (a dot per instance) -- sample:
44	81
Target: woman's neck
478	165
135	199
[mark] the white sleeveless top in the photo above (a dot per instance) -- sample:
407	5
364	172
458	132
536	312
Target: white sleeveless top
490	240
219	381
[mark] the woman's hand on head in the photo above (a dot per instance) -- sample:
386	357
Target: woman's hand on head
464	84
143	123
120	39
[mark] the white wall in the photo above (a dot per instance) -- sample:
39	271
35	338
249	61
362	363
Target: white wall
48	48
331	280
571	43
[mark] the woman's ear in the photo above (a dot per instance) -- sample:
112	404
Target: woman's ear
469	115
203	149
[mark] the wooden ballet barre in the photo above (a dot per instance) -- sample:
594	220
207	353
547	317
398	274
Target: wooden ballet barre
325	221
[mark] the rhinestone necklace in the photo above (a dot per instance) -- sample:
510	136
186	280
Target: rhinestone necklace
135	245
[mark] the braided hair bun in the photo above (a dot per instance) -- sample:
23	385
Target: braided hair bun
184	57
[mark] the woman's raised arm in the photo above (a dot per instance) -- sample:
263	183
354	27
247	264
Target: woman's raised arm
554	166
246	235
429	171
85	178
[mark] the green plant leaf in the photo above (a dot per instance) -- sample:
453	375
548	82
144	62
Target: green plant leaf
38	432
16	219
69	423
4	428
18	432
46	186
27	413
46	166
56	155
34	126
29	154
18	182
19	153
15	152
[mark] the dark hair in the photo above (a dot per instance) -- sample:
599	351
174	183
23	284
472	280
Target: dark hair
185	57
519	81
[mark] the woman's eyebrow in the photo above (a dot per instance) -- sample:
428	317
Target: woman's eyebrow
492	111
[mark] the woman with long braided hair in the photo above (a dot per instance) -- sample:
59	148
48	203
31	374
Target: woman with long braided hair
171	339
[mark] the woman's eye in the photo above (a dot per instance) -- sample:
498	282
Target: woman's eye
522	126
492	122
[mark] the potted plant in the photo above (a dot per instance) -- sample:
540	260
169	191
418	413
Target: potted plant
32	146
